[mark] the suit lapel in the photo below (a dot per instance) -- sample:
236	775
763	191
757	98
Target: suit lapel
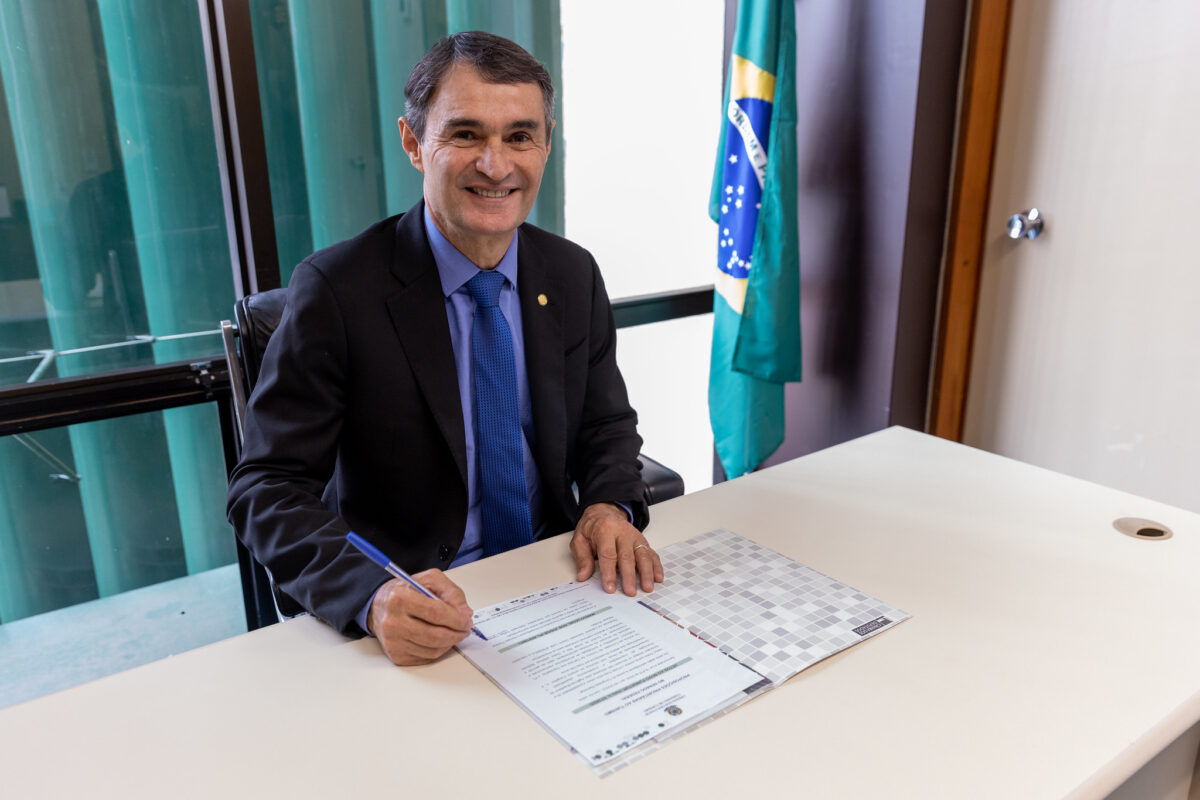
540	290
418	312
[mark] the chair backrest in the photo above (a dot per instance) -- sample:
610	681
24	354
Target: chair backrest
257	317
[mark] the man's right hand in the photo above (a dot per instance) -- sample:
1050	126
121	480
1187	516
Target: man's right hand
415	629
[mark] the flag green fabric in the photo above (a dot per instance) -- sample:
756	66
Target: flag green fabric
756	309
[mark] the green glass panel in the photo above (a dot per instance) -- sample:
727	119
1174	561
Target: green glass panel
129	502
194	447
23	325
335	84
402	33
56	89
275	64
73	187
45	560
163	110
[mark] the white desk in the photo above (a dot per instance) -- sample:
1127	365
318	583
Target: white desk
1048	656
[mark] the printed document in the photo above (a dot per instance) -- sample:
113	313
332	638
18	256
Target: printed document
606	673
602	671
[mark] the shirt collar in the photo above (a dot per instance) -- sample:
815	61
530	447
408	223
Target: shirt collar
455	269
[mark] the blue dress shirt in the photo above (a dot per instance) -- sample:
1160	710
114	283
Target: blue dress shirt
454	270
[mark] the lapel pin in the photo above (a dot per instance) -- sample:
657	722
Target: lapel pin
542	300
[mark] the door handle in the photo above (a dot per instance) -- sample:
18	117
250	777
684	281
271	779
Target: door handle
1026	224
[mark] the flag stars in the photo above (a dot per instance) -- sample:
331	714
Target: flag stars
738	203
733	159
724	209
725	232
741	190
728	190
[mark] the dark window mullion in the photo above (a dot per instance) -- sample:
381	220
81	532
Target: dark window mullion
662	306
68	401
234	84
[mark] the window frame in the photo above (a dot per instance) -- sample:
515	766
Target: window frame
238	127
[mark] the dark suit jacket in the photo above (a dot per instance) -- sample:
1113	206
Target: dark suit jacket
356	421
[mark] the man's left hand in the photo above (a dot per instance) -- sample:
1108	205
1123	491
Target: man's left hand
605	536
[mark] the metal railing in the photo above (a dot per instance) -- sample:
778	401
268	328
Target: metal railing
46	358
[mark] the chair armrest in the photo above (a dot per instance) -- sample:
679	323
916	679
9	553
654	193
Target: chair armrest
662	482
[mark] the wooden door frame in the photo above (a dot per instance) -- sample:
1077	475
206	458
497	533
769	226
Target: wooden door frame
979	117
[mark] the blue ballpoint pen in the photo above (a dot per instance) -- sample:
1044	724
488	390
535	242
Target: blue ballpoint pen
375	554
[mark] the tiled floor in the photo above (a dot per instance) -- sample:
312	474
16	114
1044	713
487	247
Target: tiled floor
59	649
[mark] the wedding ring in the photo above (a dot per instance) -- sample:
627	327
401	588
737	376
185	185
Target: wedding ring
640	545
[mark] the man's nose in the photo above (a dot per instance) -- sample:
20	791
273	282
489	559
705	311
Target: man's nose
493	161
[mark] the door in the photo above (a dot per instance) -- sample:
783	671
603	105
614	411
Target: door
1087	341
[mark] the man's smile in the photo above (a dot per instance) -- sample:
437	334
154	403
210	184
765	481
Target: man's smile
490	192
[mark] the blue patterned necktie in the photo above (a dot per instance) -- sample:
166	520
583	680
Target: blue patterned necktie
503	497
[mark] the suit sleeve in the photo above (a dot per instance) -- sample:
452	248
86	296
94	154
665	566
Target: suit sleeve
293	426
607	444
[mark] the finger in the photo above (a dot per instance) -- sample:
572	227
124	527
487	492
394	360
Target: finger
437	582
406	653
605	545
405	614
408	602
627	564
405	633
585	559
431	639
398	642
438	614
646	565
402	650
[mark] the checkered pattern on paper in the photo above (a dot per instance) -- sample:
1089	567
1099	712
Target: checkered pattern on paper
767	611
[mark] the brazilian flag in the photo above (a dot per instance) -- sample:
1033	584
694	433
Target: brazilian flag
756	310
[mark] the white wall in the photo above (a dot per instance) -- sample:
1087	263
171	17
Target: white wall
641	116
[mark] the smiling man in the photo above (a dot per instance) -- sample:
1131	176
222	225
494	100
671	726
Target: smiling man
445	383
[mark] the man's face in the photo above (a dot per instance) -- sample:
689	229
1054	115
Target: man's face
483	154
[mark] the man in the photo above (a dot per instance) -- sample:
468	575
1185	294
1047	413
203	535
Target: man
421	367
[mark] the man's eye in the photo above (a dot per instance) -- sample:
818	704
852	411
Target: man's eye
521	137
464	135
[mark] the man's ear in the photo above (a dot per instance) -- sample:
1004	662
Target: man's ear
550	137
410	143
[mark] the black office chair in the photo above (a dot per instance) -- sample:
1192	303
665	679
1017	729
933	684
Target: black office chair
257	318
